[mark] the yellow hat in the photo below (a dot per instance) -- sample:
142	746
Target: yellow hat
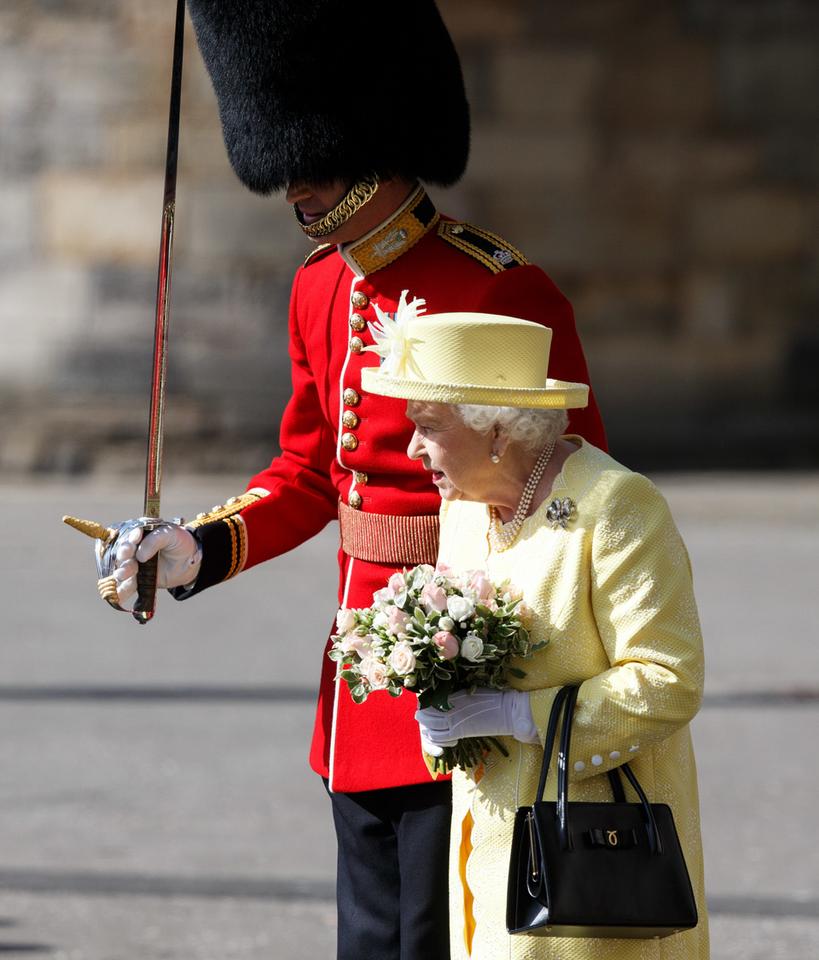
466	358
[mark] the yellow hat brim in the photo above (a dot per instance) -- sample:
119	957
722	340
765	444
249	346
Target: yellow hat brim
554	395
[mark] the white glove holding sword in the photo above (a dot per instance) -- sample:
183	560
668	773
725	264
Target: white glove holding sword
180	556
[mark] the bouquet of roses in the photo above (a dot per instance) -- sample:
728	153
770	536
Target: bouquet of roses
431	632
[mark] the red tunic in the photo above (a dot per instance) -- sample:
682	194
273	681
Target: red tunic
454	267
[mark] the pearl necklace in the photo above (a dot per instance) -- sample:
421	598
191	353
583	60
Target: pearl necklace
503	535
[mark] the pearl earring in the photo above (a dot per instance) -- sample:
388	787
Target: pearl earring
495	458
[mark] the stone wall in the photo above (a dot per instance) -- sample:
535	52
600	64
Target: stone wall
659	159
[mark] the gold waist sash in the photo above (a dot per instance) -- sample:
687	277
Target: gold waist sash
383	538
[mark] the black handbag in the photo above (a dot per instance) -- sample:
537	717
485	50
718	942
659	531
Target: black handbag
595	869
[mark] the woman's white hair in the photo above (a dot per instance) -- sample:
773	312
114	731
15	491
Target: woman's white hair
532	429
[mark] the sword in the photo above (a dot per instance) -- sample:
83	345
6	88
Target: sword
145	604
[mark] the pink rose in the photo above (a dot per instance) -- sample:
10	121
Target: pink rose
397	621
433	598
512	593
524	613
352	643
396	584
447	644
361	646
444	569
482	586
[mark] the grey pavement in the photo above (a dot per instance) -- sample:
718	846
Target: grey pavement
155	799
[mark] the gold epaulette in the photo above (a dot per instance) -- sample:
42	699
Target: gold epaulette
322	248
234	528
482	245
227	509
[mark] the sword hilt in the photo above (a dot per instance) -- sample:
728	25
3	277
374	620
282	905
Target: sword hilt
107	539
143	609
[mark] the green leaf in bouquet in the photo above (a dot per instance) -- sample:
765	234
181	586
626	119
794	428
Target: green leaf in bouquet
359	693
498	745
436	697
420	616
335	654
395	691
350	676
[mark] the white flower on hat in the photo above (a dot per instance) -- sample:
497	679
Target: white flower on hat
392	340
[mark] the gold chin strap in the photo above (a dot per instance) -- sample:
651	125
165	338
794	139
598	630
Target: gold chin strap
353	200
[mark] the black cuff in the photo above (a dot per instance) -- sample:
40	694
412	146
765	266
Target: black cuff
219	556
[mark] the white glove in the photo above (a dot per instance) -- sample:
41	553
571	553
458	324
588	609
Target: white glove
484	713
180	557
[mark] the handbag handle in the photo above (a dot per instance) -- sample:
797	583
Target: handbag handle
551	732
564	703
548	749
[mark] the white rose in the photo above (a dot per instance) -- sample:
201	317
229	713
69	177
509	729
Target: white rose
345	620
459	608
422	575
402	659
380	620
380	597
470	594
471	647
376	673
446	623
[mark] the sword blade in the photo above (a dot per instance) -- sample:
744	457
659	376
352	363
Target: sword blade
146	578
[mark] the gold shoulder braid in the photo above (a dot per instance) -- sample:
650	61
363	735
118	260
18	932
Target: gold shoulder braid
228	514
228	509
313	254
352	201
487	248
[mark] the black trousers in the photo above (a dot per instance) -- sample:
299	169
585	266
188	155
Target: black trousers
392	889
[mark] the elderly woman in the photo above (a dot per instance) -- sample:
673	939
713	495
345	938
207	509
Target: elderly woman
600	563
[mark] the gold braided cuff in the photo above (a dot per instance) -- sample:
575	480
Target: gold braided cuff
382	538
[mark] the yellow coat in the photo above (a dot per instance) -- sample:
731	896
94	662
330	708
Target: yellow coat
613	595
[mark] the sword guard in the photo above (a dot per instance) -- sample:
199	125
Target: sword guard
107	539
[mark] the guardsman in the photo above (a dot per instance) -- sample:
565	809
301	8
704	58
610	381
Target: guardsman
350	115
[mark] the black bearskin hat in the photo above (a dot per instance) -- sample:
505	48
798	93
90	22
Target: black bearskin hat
323	90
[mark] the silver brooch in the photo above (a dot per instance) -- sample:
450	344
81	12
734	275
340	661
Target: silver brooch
560	512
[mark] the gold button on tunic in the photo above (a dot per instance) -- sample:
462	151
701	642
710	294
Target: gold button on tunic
357	322
359	300
360	477
350	420
356	345
351	398
349	441
355	500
